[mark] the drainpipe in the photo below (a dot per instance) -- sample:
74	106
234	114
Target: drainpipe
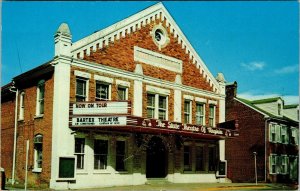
266	127
14	89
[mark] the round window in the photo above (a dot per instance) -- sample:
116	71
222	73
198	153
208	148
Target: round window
160	36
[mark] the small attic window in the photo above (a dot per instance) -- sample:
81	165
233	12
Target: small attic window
279	109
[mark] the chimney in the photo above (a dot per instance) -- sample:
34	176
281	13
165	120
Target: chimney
231	90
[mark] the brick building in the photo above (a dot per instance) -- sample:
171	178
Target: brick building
269	128
130	102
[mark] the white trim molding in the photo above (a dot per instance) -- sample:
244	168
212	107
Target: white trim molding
188	97
157	90
123	83
82	74
200	100
213	102
103	79
157	59
135	22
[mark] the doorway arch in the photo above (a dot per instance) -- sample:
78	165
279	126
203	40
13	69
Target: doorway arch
157	158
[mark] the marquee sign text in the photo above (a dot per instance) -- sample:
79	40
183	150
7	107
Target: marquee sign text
86	108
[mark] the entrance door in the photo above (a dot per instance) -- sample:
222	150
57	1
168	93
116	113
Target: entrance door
156	159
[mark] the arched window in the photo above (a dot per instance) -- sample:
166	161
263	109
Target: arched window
38	153
40	98
21	110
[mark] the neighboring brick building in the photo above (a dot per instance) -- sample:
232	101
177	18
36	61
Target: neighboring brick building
267	128
127	103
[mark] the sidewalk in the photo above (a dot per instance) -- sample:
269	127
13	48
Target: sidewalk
189	187
198	187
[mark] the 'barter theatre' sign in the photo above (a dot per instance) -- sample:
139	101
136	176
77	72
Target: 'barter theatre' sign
98	121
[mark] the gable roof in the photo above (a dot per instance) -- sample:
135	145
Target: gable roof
290	106
135	22
267	100
267	114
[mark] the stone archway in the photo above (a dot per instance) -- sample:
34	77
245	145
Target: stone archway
157	158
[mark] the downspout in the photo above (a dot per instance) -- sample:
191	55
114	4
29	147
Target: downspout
266	127
15	135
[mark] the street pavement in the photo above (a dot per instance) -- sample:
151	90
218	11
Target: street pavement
189	187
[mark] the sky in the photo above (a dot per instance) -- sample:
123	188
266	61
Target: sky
253	43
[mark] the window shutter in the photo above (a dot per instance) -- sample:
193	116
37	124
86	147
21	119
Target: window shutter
297	136
278	164
278	135
270	164
270	132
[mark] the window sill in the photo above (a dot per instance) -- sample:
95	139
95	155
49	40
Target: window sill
101	172
122	172
37	170
39	116
81	172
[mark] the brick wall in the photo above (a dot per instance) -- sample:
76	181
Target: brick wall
7	133
31	126
239	151
120	52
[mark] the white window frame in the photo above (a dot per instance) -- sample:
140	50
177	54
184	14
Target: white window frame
125	155
272	130
214	115
198	115
152	107
189	113
38	139
157	96
284	133
86	80
38	100
81	153
107	155
284	164
295	135
156	105
126	92
109	90
278	133
21	108
271	163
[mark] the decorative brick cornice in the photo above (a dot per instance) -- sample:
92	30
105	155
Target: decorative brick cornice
133	23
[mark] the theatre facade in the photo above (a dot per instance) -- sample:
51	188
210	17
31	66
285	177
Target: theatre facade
128	103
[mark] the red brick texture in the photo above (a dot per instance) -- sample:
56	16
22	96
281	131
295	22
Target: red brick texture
119	54
7	133
239	151
27	129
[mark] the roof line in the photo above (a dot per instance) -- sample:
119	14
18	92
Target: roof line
135	22
251	106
